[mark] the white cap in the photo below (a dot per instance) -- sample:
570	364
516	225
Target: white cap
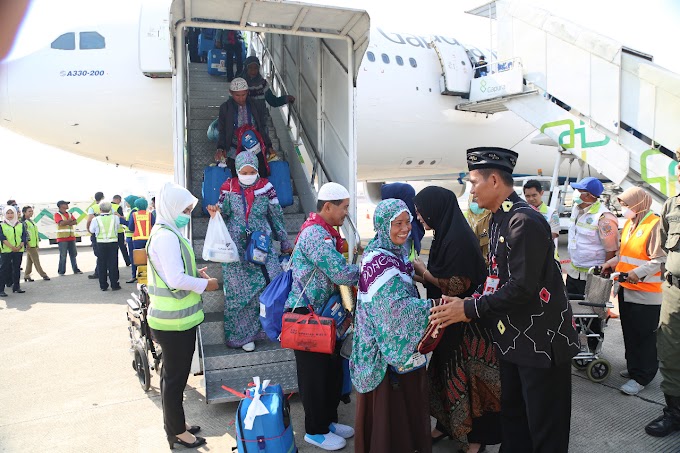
238	84
332	191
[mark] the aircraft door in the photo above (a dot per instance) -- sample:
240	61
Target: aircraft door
457	71
154	39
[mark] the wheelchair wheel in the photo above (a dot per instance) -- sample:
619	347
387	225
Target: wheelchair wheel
142	368
580	364
598	370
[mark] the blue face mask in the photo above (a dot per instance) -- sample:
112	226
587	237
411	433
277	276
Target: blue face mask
182	220
474	207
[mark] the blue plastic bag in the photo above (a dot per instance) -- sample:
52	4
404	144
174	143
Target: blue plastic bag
273	302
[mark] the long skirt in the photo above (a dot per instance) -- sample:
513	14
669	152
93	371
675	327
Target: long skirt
395	417
465	386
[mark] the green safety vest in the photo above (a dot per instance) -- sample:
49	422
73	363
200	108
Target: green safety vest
32	232
128	233
107	229
114	211
173	309
13	235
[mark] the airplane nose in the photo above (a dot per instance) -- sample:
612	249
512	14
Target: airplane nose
5	115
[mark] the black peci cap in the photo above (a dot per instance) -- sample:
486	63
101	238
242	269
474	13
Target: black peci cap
491	157
61	202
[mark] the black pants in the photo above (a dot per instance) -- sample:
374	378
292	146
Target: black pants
535	408
123	248
576	286
107	263
10	270
320	385
95	249
178	349
639	324
234	51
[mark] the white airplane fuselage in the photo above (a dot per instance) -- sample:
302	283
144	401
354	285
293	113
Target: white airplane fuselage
97	103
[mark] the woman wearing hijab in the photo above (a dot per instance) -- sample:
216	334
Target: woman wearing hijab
641	256
12	242
478	219
406	192
175	287
258	88
465	359
392	412
248	202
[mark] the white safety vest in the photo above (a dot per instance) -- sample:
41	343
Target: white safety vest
585	247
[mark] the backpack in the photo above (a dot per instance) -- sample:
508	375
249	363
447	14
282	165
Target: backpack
272	303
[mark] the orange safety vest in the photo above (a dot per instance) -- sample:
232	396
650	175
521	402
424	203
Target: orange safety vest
634	253
142	225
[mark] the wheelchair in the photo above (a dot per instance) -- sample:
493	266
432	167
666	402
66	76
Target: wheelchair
141	342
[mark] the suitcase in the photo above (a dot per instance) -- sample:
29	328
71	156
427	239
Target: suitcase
280	179
205	45
213	178
217	59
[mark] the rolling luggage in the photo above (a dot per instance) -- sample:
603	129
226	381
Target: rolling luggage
205	44
280	179
213	178
267	429
217	59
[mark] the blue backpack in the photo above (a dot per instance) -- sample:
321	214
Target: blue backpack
272	432
273	302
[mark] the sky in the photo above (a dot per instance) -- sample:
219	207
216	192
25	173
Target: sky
45	174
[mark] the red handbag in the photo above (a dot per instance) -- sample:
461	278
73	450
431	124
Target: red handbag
310	332
433	334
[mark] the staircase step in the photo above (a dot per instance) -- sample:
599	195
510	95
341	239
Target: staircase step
212	328
204	113
220	357
284	373
213	301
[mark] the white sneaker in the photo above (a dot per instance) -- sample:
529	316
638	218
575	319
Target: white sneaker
624	374
249	347
631	387
328	441
343	431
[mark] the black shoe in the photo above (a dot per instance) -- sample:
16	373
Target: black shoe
194	429
128	264
93	277
104	289
116	288
77	272
20	291
172	440
670	420
3	294
28	279
134	280
46	278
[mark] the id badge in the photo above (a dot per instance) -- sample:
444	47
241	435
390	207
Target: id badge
491	285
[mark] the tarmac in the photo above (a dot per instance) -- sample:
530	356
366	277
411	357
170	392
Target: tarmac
68	383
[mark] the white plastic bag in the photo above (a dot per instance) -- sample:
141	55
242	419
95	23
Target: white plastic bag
218	246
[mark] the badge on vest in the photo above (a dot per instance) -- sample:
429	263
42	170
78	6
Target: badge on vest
491	285
639	233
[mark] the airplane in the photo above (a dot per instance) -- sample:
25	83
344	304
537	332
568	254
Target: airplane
84	92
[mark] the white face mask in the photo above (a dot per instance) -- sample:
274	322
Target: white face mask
247	180
627	213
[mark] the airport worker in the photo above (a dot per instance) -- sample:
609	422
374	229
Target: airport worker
140	224
92	212
32	245
8	277
525	301
238	112
117	210
12	243
66	238
175	286
248	203
593	239
105	228
641	257
130	203
479	218
390	320
406	193
533	194
258	87
319	266
668	333
481	68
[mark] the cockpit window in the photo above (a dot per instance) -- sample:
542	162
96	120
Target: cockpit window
91	40
67	41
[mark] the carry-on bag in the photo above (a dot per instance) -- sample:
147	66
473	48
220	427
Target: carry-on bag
213	178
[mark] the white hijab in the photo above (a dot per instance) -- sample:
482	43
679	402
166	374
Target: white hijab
11	223
171	201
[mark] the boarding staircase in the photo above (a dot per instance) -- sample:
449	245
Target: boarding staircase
604	104
233	368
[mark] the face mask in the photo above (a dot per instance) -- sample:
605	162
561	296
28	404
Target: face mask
247	180
474	207
182	220
628	213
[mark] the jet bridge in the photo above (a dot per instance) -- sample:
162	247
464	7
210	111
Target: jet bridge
309	51
603	103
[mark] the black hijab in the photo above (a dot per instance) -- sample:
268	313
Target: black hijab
455	250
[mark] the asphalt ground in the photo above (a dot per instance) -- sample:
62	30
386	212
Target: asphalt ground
68	384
